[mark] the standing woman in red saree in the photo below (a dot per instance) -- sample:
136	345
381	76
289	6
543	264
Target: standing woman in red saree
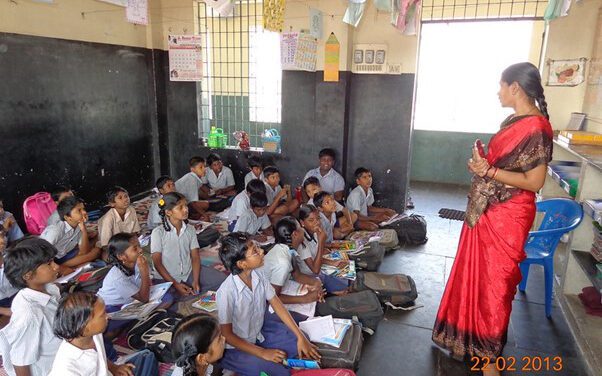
476	305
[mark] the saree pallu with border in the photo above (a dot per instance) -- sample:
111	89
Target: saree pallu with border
475	309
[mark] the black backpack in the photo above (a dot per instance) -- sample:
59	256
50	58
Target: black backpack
395	289
411	230
154	333
90	281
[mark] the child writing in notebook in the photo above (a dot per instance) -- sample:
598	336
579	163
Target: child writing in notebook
242	301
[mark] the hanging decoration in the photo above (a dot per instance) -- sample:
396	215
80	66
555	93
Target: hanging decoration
273	15
384	5
137	12
315	23
406	15
354	12
331	59
224	8
556	8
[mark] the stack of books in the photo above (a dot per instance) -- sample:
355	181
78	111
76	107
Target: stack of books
580	138
326	330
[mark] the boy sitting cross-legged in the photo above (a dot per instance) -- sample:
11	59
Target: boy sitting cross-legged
361	200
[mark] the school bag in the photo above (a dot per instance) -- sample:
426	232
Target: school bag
396	289
388	238
208	236
36	210
345	356
363	305
411	230
90	281
154	333
369	258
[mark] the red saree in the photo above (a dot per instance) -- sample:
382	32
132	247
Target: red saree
475	309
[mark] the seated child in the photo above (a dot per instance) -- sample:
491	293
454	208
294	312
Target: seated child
219	177
280	200
190	186
279	266
330	180
70	237
28	344
256	166
165	185
7	291
120	218
58	194
9	225
255	219
241	202
175	250
326	204
241	302
313	247
361	200
311	186
80	321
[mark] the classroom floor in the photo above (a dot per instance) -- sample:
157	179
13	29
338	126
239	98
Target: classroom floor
402	343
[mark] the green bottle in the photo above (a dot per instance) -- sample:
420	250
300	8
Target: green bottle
212	140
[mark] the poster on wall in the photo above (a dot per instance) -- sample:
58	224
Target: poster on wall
566	72
122	3
315	23
185	58
299	51
224	8
137	12
331	59
273	15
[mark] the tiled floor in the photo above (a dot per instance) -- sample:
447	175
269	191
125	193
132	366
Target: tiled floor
402	344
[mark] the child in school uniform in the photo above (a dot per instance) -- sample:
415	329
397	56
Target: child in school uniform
120	218
175	250
330	180
254	220
346	218
313	247
197	343
280	199
7	290
241	202
80	321
165	185
326	204
9	225
254	345
191	185
59	193
361	200
256	166
28	344
70	237
219	177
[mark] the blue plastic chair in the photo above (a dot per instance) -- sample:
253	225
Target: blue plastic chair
562	215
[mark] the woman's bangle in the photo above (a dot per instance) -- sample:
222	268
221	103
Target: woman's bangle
495	173
487	172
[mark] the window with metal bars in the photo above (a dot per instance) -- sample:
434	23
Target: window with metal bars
241	86
447	10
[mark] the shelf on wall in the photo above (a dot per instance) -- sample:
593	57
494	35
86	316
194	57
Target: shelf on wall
587	262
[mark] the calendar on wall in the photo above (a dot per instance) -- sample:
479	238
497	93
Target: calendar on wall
185	58
299	51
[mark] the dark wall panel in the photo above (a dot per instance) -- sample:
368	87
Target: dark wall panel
68	111
379	135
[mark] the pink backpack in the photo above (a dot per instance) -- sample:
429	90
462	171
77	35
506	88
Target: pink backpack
36	210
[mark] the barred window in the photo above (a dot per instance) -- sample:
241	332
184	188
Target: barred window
241	86
447	10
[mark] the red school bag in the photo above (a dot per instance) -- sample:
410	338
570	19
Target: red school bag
324	372
36	210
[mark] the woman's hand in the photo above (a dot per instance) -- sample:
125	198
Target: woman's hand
273	355
306	350
477	164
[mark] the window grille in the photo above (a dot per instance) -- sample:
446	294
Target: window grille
449	10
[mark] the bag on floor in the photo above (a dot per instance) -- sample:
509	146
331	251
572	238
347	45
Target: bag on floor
388	239
90	281
36	210
364	305
396	289
219	204
208	236
324	372
411	230
154	333
345	356
369	258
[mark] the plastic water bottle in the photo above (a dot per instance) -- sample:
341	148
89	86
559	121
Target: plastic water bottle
301	364
212	141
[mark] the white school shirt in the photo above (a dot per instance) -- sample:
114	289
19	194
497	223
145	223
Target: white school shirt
6	289
73	361
359	200
29	339
248	222
307	249
271	192
328	225
242	307
250	176
175	250
240	204
338	205
111	224
331	182
189	185
278	264
53	219
225	178
118	288
63	237
154	219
